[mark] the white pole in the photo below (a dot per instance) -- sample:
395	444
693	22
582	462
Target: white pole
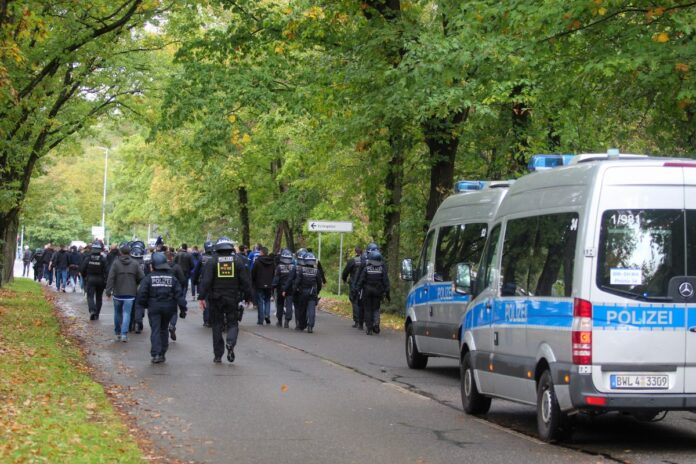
106	163
319	257
148	234
340	264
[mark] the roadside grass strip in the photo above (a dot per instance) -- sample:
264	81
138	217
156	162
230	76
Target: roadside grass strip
50	408
341	306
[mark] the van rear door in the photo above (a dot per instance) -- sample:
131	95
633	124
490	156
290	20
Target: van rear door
638	337
690	200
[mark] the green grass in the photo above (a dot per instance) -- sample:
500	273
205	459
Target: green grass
340	304
50	408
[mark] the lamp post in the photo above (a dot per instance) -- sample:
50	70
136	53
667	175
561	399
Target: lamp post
106	163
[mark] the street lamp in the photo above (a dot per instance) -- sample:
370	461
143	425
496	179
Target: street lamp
106	162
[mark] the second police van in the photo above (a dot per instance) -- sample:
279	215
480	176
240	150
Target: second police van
584	299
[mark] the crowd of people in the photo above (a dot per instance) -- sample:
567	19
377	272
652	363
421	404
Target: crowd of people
225	279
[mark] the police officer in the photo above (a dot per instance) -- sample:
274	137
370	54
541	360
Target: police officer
282	284
373	284
307	283
160	292
352	270
196	279
93	270
224	284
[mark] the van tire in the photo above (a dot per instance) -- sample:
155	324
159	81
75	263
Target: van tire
552	424
414	358
473	402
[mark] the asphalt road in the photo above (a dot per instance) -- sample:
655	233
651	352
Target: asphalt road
339	396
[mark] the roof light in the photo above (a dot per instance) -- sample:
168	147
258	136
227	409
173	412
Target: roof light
613	153
468	185
544	162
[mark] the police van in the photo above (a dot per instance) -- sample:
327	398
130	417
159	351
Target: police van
457	234
584	298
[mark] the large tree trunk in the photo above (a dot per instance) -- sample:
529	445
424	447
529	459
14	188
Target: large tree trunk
443	144
289	239
244	215
9	223
392	208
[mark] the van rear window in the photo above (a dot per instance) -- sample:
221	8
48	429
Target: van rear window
640	251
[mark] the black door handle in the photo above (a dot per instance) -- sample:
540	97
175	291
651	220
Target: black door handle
692	329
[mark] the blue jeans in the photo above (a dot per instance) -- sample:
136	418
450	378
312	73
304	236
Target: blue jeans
61	278
263	299
122	315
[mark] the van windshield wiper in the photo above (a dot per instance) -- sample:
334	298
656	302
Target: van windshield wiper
634	296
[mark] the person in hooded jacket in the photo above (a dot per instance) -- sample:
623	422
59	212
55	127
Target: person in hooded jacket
282	284
373	283
74	261
262	280
178	273
160	292
124	276
93	270
37	262
46	261
59	264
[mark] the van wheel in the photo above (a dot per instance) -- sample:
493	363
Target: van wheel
414	358
552	424
473	402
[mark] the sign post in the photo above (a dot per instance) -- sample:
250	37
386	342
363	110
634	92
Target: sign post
331	226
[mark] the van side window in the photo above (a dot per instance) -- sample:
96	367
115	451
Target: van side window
425	256
539	255
489	263
462	243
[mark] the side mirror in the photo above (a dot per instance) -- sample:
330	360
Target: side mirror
462	279
407	270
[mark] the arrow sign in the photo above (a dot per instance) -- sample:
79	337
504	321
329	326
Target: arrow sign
329	226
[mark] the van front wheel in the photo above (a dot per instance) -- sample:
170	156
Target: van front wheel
414	358
552	424
473	402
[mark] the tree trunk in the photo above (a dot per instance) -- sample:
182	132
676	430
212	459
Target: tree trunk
9	223
289	239
521	120
392	208
278	239
244	215
442	141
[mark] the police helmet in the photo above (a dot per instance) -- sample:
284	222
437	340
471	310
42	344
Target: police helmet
224	243
374	258
208	246
159	261
286	256
137	251
124	248
309	259
372	246
300	255
137	243
97	246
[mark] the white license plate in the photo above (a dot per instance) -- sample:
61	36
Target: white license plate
639	382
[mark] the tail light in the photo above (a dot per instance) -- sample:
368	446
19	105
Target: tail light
582	332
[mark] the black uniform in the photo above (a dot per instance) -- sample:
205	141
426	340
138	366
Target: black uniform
93	270
196	282
160	292
283	284
374	285
224	284
136	322
352	270
307	283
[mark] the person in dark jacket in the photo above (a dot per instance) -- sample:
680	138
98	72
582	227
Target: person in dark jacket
185	262
47	257
161	293
59	263
262	280
224	283
74	261
373	283
195	265
84	256
351	271
178	273
93	270
26	261
37	262
111	257
196	279
307	283
124	276
282	284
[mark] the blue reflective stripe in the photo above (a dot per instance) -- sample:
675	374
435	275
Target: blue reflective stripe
440	292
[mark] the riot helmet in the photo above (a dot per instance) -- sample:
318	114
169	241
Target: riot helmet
309	259
137	243
224	243
286	256
374	258
372	246
301	253
159	261
208	246
137	251
97	246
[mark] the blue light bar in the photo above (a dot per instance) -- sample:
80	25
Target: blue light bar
468	185
544	162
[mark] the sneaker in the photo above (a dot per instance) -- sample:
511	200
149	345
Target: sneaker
279	324
155	359
172	333
361	327
217	359
124	338
368	331
92	317
376	329
163	358
268	320
230	353
355	325
259	323
118	338
287	324
310	329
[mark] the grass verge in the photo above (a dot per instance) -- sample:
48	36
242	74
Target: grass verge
340	305
50	408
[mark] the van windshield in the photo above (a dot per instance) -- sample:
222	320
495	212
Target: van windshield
640	250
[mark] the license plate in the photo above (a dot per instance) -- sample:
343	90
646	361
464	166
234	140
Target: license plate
639	382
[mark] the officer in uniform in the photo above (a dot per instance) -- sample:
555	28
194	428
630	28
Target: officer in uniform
196	279
282	283
160	293
93	270
373	284
307	283
137	253
224	284
352	271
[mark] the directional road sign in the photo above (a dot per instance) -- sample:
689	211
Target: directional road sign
329	226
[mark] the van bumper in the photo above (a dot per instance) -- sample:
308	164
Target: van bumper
581	387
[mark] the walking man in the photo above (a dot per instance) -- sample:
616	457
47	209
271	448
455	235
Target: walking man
352	270
262	281
307	287
282	283
122	283
26	261
224	283
93	270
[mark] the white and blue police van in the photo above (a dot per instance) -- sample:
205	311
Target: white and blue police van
584	298
457	234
